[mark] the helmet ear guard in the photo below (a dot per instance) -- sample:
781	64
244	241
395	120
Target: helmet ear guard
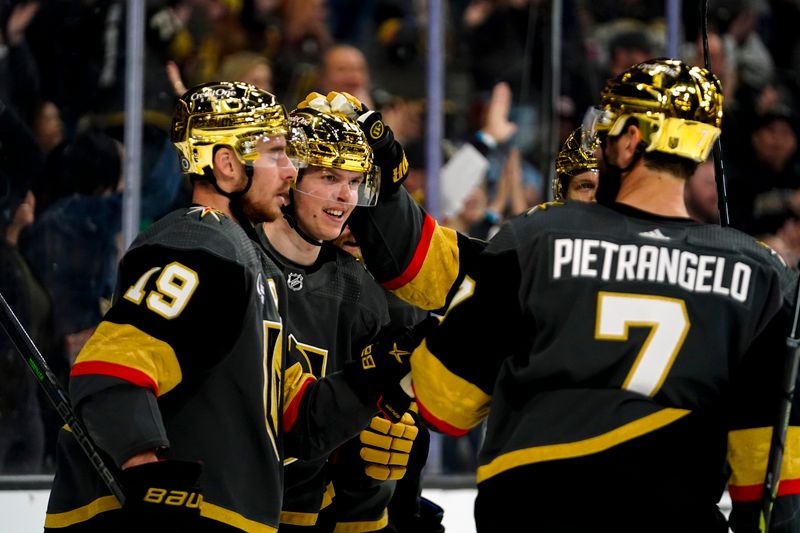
678	108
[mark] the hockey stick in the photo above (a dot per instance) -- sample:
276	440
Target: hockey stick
781	427
55	393
719	171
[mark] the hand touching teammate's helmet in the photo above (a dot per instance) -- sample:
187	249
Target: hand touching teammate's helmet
389	154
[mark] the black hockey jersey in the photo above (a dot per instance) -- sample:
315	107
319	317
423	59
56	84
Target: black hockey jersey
191	356
410	254
589	332
335	309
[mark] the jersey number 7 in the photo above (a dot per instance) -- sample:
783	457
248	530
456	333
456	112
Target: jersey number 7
668	322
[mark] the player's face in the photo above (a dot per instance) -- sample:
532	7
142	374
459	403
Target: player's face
324	198
273	174
583	186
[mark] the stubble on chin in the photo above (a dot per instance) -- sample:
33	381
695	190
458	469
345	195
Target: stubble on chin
264	212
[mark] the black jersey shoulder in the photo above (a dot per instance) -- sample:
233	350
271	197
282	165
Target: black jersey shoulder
202	229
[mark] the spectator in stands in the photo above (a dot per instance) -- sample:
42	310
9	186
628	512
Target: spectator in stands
344	69
73	246
248	67
627	48
22	435
765	183
19	75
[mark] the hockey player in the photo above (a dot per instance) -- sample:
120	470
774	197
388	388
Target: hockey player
576	171
619	349
184	385
335	308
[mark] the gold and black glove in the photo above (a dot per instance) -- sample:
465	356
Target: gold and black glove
386	447
164	493
378	372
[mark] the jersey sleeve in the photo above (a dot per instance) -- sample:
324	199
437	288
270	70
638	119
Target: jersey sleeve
320	415
756	399
455	368
410	254
174	312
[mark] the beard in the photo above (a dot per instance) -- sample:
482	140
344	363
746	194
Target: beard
609	183
262	211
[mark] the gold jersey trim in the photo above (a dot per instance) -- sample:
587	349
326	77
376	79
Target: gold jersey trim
445	395
81	514
539	454
363	526
748	453
130	347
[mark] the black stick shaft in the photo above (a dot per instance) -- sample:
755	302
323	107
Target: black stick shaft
781	428
719	171
56	394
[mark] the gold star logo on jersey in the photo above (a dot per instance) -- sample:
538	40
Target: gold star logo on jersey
203	211
397	353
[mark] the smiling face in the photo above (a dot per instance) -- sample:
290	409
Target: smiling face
324	199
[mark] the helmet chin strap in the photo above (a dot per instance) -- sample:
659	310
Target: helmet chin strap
288	214
235	199
611	180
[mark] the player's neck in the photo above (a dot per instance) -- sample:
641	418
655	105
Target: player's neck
211	198
656	192
289	243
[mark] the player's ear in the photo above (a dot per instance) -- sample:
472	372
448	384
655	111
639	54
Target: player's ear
225	168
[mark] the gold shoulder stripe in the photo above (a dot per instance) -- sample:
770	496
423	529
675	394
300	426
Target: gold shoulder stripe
126	346
539	454
445	395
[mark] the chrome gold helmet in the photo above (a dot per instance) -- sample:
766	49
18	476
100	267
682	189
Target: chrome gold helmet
336	141
572	159
234	114
678	108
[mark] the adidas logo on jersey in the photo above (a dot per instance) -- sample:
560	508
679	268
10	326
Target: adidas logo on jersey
655	235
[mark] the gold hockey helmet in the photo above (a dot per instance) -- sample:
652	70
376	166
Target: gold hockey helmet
234	114
572	159
678	108
336	141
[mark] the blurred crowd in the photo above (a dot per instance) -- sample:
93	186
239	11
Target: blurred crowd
62	92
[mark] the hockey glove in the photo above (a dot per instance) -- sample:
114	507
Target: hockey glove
387	447
389	154
165	492
381	452
377	374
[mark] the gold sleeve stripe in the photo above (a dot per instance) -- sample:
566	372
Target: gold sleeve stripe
81	514
433	269
295	383
539	454
295	518
126	346
454	402
748	453
364	526
226	516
